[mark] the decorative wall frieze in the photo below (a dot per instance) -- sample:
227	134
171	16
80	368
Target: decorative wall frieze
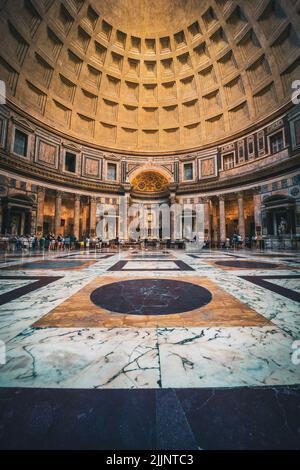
112	157
275	125
228	148
71	146
23	123
188	157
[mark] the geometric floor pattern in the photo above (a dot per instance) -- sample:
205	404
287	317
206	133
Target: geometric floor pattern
75	327
115	302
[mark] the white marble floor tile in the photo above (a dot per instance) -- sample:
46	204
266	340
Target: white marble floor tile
7	285
283	312
226	357
292	284
82	358
21	313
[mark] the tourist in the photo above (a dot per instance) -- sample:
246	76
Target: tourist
67	243
42	243
72	241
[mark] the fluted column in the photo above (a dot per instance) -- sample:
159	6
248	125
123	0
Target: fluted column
93	209
57	221
257	211
242	231
77	202
222	216
40	211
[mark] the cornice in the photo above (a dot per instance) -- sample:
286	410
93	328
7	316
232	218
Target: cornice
25	169
41	175
278	169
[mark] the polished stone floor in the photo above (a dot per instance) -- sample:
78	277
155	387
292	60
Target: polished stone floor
198	336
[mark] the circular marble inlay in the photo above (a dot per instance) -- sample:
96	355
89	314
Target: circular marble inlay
246	264
53	264
151	297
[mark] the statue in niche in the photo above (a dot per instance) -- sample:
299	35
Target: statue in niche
282	228
13	226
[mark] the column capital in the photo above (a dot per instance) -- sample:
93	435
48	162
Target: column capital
205	199
256	190
173	187
240	194
221	197
41	189
59	194
93	199
77	197
127	187
173	198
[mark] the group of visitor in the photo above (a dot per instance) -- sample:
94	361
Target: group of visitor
20	243
236	242
59	243
51	242
48	242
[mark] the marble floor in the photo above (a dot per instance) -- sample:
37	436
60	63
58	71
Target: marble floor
176	329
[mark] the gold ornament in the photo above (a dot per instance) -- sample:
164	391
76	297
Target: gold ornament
150	182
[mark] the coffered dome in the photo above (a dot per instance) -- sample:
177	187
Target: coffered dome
150	77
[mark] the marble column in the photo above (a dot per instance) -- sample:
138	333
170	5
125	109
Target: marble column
207	218
57	219
124	205
242	231
77	202
215	228
1	217
222	217
173	216
40	211
257	211
93	220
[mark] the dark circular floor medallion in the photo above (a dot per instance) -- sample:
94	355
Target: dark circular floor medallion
151	297
246	264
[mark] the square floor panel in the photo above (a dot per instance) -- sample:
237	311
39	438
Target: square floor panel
17	286
109	302
57	264
8	285
240	264
151	265
287	286
288	283
149	257
87	256
208	254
